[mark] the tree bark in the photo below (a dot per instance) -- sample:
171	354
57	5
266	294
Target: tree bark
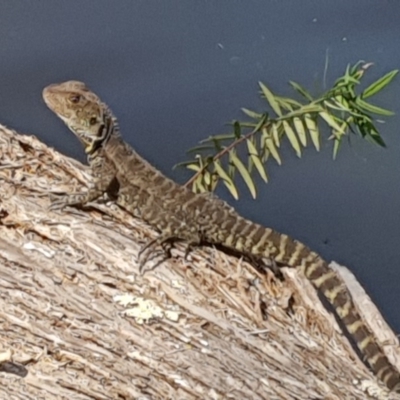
78	321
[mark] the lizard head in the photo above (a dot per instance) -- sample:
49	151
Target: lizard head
80	109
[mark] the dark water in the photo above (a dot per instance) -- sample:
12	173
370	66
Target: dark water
175	71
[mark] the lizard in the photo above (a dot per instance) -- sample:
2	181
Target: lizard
180	214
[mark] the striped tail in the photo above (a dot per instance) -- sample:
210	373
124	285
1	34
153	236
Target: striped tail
248	237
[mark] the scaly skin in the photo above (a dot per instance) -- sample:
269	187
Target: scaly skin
180	214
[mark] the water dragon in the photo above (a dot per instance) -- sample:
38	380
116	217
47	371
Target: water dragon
179	214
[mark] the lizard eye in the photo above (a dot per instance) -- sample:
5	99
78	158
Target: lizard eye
75	98
93	121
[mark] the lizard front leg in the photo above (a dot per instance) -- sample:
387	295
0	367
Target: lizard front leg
103	178
76	199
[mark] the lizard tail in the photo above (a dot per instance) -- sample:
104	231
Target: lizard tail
248	237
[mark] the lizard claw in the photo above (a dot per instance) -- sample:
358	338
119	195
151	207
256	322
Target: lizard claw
146	250
189	248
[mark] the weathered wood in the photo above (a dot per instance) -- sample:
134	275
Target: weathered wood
77	315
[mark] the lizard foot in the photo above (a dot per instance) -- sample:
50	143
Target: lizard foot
189	248
144	253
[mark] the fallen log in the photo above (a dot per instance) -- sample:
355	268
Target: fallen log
78	321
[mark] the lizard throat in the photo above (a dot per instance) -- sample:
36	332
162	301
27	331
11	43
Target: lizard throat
104	133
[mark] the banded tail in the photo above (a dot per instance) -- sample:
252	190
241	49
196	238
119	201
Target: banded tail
248	237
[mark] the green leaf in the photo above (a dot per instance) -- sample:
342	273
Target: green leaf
345	106
343	129
183	164
379	84
245	124
335	106
359	65
313	130
198	186
275	133
222	136
288	102
368	130
336	146
256	160
270	144
200	148
227	180
301	90
251	114
193	167
349	76
284	104
262	122
376	138
237	130
330	120
368	107
300	131
207	178
243	172
232	190
292	138
271	99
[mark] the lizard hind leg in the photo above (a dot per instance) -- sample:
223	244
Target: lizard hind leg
164	241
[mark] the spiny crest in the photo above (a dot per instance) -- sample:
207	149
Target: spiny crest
81	110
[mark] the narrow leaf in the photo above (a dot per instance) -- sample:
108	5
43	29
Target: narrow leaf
227	180
237	130
200	148
245	174
370	133
301	90
256	160
221	172
198	185
251	114
313	130
336	146
335	106
373	109
375	137
207	178
250	162
222	136
269	143
343	105
288	102
379	84
271	99
349	77
284	104
193	167
309	108
292	138
298	124
232	190
275	133
329	119
245	124
184	164
262	122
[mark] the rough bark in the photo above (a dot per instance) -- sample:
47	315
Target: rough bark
76	315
